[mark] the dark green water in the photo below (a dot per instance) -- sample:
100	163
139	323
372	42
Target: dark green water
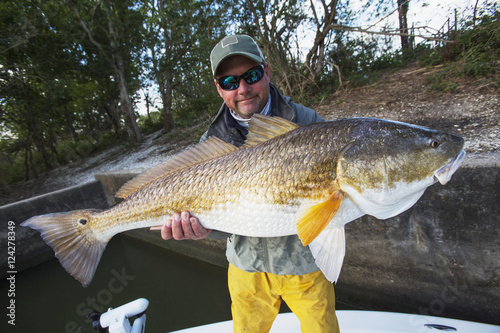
182	292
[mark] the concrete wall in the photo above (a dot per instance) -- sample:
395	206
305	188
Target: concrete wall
441	257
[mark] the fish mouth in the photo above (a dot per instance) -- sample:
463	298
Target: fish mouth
444	174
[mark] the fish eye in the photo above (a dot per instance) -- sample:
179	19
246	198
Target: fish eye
434	143
83	221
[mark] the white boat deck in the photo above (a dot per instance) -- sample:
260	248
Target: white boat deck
367	322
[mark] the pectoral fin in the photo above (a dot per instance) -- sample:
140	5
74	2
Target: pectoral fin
328	250
314	219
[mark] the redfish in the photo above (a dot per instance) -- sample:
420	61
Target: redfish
287	179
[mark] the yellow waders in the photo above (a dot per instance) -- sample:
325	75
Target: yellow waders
256	299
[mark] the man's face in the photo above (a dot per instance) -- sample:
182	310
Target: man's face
247	99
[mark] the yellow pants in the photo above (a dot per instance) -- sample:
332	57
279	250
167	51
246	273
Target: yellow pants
256	299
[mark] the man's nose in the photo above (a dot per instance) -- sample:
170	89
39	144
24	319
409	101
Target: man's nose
244	86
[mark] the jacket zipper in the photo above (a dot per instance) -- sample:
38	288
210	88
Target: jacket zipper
266	255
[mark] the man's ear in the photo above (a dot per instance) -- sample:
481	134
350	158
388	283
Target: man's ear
218	88
267	71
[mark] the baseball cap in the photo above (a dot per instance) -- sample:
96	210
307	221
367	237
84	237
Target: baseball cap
235	45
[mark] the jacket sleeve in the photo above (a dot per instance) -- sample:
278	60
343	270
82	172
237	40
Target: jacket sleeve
204	137
305	115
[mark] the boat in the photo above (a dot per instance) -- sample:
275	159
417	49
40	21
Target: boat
359	321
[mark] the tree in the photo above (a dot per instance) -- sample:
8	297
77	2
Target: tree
112	27
274	24
28	84
385	9
179	38
403	6
315	58
55	86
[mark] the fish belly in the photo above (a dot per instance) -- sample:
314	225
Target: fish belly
250	219
270	220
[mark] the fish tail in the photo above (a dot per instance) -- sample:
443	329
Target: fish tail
74	243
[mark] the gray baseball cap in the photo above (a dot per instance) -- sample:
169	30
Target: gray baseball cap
235	45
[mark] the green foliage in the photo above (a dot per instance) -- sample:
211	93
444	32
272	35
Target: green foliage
481	43
55	84
198	110
180	36
151	123
474	53
359	62
430	58
441	81
11	165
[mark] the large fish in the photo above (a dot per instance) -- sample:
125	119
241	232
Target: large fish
286	180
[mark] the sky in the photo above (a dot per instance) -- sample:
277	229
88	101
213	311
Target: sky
433	14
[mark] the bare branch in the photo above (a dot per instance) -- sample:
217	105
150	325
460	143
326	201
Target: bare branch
383	18
316	20
71	5
338	72
388	33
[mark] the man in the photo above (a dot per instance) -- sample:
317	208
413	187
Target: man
262	271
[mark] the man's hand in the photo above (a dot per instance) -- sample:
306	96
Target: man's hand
183	226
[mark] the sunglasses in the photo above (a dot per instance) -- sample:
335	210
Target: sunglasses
251	76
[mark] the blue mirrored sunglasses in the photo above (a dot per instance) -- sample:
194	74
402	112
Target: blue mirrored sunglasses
251	76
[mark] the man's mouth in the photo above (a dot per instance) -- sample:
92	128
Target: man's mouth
246	99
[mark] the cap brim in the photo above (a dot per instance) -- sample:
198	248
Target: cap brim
246	54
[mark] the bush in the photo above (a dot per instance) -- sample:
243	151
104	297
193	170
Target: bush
152	123
199	109
475	53
482	42
12	171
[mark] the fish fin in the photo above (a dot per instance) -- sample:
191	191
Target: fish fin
73	241
314	219
206	150
328	250
263	128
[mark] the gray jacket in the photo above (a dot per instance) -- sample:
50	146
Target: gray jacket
277	255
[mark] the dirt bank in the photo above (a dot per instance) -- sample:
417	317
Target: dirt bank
472	110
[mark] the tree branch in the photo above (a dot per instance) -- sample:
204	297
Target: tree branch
387	32
71	5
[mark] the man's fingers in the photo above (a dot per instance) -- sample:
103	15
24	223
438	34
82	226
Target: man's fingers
182	226
166	230
177	230
198	230
187	230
